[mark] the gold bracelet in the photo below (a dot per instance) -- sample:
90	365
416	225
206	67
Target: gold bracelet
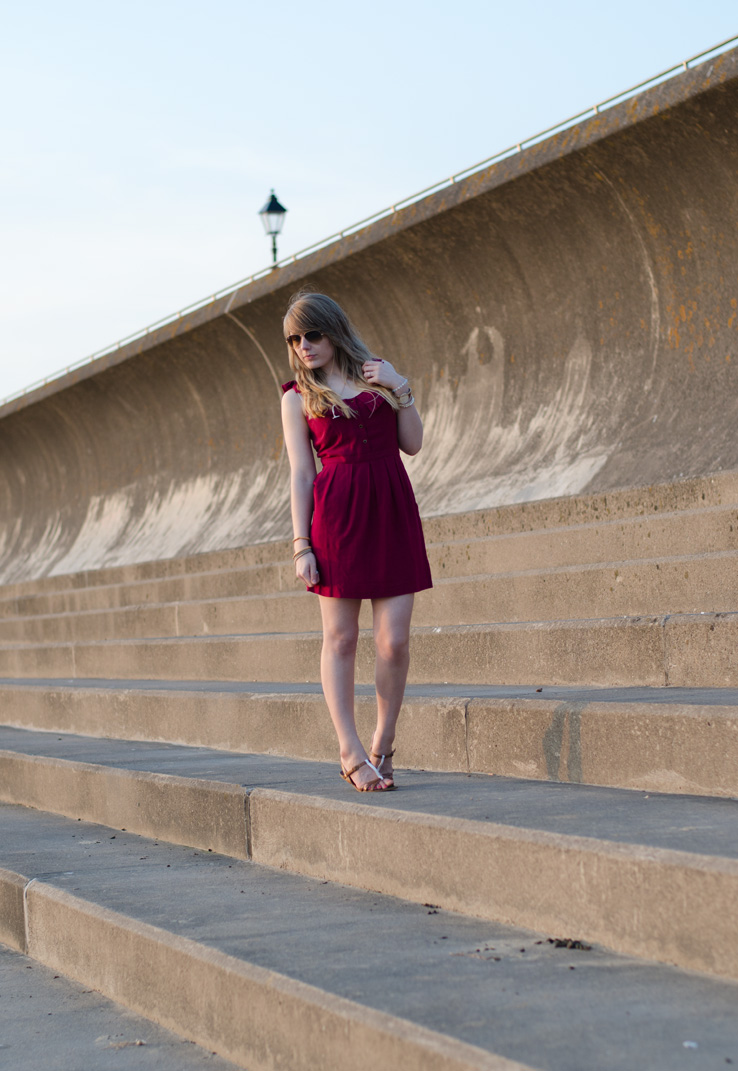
301	553
301	537
406	405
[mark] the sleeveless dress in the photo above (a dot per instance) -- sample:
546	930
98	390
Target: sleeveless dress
366	531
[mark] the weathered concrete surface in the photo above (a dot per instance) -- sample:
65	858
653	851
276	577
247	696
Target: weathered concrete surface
640	901
657	550
694	584
690	651
12	911
184	810
684	824
569	317
680	742
649	877
50	1021
479	983
641	522
255	1017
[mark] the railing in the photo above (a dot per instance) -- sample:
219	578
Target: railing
519	146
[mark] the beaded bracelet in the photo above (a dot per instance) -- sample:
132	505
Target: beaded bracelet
403	384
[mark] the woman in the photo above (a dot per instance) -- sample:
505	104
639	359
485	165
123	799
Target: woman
356	524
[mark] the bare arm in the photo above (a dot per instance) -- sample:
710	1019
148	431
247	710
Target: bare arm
409	430
302	477
409	424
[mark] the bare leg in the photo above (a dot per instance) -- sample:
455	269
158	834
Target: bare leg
337	667
392	641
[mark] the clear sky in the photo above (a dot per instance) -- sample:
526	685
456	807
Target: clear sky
139	140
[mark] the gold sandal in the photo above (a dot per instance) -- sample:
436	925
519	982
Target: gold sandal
370	786
378	767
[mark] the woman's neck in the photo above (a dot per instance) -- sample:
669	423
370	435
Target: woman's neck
340	384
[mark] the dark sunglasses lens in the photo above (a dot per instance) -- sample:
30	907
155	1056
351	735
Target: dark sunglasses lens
309	336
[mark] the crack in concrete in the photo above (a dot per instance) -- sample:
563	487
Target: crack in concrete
247	823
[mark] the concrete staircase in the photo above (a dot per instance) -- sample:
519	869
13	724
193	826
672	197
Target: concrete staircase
174	833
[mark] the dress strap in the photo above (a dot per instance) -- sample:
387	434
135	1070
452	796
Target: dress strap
289	386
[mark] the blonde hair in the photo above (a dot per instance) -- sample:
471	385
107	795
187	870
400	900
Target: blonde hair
318	312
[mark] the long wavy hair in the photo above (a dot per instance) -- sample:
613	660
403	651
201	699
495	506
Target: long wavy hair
317	312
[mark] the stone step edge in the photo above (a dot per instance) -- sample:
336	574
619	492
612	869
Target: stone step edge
655	903
282	563
438	582
469	628
255	1017
572	740
699	493
689	650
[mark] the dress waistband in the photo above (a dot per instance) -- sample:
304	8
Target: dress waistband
358	460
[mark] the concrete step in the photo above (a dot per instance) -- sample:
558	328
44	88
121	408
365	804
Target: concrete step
236	559
45	1013
641	873
265	579
695	584
684	650
657	739
688	517
665	541
638	538
275	969
222	953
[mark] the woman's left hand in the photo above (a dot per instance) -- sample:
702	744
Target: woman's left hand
382	373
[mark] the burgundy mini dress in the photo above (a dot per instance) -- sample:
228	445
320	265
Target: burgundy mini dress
366	531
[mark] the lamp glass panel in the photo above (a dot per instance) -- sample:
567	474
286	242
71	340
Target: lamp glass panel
276	222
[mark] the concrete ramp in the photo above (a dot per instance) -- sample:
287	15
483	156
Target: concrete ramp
569	318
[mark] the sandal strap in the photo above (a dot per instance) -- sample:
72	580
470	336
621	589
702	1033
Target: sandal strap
364	762
382	757
348	773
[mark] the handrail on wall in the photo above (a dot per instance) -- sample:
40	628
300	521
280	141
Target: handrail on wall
588	113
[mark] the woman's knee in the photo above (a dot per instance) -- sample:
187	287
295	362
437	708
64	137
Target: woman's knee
393	647
341	640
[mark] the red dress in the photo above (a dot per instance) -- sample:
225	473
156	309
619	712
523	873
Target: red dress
366	531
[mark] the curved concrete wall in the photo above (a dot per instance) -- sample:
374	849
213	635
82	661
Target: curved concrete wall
569	317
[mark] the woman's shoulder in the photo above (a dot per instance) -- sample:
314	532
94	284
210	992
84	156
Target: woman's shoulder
292	400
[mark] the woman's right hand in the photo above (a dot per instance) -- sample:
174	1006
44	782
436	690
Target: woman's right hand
306	569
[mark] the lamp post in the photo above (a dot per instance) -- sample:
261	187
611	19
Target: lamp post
272	216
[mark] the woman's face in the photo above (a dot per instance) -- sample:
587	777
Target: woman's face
314	354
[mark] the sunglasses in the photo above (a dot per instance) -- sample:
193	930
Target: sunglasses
309	336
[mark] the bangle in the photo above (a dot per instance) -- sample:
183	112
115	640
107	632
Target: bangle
403	384
301	553
410	401
301	537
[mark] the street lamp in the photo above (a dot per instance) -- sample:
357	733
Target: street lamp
272	216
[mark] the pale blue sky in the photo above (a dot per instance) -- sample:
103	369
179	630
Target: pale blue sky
140	140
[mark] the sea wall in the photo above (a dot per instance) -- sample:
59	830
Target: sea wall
568	317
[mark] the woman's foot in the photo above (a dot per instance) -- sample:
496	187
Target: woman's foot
382	760
364	776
